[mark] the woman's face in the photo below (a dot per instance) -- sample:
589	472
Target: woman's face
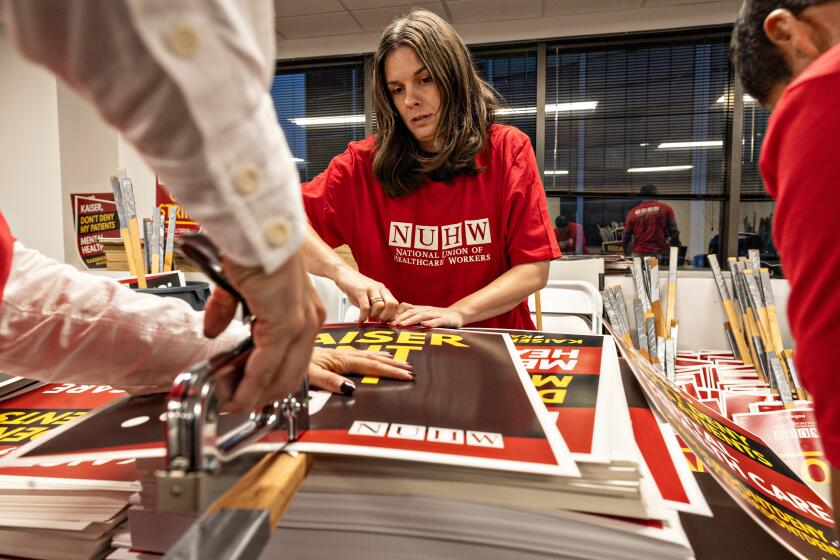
415	94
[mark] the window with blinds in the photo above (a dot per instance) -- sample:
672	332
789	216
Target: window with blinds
755	226
321	109
755	125
513	75
622	116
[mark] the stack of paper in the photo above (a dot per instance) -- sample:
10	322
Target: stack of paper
58	510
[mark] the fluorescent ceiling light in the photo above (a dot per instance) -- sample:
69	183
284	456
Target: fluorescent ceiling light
348	120
727	98
700	144
298	160
550	108
329	121
657	169
556	171
516	111
569	107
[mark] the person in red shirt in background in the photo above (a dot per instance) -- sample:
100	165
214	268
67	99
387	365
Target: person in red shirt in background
787	54
442	206
570	236
651	226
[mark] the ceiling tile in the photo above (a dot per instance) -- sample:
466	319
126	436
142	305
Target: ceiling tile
370	4
653	3
291	8
563	7
317	25
376	20
469	11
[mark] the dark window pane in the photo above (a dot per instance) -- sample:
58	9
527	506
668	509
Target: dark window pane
756	205
514	76
619	117
321	110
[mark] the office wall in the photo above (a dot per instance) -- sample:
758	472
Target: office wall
53	143
88	150
30	167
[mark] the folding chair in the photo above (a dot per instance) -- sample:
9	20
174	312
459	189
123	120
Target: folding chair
568	306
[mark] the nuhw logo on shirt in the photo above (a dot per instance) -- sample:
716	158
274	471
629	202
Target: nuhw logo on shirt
646	210
435	238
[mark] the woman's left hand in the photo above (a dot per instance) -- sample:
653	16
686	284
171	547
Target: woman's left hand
327	364
374	299
427	316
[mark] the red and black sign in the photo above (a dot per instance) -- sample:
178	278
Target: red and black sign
95	216
566	371
164	199
752	473
470	404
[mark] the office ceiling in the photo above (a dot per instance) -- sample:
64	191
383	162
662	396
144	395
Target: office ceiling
297	19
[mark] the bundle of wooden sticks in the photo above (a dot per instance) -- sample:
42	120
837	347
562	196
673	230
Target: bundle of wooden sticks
654	331
155	253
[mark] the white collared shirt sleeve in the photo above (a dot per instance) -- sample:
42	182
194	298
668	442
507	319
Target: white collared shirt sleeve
61	325
186	82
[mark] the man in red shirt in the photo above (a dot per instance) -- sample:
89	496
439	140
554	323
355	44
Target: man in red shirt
788	58
570	236
651	226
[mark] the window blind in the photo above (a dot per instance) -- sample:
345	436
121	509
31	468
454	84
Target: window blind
513	75
622	116
320	109
755	125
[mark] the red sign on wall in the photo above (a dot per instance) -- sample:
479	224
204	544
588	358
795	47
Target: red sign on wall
94	216
183	222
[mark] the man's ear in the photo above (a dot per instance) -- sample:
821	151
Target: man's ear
791	36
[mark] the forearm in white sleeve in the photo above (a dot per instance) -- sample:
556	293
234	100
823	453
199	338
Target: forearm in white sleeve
59	324
186	82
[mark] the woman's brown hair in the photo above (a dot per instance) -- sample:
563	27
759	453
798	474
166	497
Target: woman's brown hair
466	109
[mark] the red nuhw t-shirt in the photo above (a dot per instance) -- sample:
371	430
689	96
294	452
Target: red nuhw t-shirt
647	223
6	241
800	170
441	242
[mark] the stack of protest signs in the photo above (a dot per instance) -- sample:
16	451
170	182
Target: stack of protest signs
58	510
458	461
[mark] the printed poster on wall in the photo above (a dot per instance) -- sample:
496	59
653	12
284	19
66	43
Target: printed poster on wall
163	198
94	216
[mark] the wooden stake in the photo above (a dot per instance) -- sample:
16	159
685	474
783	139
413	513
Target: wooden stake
671	304
170	242
118	201
133	231
729	309
655	301
538	309
154	242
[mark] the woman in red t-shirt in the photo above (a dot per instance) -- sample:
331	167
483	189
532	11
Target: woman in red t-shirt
442	206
